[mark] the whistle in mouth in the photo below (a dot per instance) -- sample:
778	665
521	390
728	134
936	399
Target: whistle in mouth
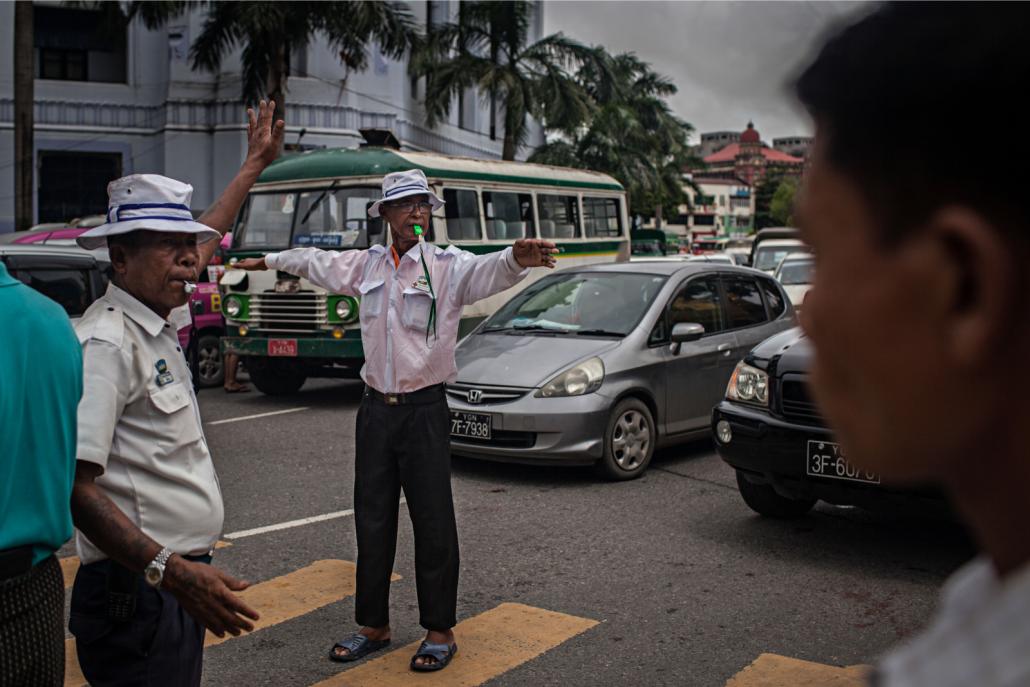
189	287
418	229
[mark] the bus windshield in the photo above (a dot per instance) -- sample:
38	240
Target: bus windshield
335	218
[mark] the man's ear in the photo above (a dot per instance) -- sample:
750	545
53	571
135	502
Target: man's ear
981	284
119	258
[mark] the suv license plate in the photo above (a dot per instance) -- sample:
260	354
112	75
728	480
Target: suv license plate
826	459
470	425
282	348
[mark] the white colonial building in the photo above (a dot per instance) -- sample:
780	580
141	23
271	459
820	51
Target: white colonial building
108	108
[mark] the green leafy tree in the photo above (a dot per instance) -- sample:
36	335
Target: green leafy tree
633	134
764	192
487	48
781	206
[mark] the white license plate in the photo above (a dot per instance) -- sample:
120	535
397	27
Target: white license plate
826	459
470	425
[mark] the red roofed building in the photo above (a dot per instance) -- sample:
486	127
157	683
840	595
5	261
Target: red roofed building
749	160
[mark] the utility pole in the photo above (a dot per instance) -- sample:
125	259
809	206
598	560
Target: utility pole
24	95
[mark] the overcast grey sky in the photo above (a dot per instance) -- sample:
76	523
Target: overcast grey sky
730	60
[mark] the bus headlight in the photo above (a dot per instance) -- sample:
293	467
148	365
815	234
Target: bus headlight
233	306
343	308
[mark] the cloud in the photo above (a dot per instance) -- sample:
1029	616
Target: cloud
732	61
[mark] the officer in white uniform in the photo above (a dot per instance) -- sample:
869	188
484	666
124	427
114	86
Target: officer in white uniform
146	502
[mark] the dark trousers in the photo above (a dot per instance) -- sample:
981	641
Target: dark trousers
157	644
405	447
32	627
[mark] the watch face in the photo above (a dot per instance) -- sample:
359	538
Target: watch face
153	574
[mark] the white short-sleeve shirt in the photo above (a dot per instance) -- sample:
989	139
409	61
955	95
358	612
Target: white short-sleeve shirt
139	420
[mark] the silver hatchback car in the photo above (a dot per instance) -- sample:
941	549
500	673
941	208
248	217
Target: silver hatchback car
602	364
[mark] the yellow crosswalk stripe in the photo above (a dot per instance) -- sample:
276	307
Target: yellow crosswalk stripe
489	644
772	670
277	600
70	565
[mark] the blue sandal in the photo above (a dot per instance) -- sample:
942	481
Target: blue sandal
357	646
443	653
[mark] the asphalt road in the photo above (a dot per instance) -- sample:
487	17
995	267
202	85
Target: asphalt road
687	586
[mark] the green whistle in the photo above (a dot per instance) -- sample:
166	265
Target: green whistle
418	229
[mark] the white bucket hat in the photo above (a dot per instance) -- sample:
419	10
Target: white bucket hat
401	184
147	201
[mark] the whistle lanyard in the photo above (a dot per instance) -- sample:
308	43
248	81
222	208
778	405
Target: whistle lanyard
431	324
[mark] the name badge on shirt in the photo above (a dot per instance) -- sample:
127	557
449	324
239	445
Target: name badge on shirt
421	284
163	375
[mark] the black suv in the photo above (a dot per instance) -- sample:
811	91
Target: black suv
770	432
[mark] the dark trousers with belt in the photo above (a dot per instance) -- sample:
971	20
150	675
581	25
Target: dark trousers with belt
31	621
127	633
404	443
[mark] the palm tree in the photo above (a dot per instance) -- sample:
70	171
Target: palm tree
633	135
270	31
487	49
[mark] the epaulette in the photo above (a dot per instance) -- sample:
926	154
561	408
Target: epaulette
101	322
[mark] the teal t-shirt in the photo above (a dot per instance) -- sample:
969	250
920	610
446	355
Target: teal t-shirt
40	388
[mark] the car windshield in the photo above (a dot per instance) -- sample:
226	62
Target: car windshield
768	257
334	218
585	303
799	272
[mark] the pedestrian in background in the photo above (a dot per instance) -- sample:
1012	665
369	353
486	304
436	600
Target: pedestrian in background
40	387
146	500
412	295
920	309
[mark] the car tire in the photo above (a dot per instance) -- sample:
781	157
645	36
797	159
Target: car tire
274	379
629	441
210	366
763	499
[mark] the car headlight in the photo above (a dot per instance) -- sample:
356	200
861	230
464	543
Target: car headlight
233	306
576	381
748	385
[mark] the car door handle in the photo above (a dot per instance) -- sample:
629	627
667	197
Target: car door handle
725	349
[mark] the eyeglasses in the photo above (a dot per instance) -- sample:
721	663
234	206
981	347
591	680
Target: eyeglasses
411	207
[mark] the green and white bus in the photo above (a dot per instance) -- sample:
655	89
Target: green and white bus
288	329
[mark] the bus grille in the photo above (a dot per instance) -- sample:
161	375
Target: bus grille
302	311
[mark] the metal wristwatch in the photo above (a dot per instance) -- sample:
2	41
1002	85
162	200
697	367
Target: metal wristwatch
155	571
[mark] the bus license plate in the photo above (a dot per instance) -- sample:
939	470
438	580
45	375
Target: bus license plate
470	425
826	459
282	348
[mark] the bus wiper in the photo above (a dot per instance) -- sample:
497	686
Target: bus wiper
598	332
318	201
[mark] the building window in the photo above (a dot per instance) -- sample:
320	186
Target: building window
73	184
74	45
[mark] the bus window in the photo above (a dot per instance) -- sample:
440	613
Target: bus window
266	221
559	216
601	217
461	208
508	215
337	219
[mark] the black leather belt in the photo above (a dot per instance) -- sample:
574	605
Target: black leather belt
15	562
430	394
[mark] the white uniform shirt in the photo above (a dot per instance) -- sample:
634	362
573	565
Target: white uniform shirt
395	303
980	636
138	419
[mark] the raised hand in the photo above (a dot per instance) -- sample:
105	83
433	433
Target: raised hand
264	139
251	264
534	252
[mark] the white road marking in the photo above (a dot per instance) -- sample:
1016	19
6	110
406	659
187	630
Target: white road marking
254	417
292	523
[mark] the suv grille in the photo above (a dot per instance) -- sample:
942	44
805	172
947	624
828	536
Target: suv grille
796	404
459	391
302	311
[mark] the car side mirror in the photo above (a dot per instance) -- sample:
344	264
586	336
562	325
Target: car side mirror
685	332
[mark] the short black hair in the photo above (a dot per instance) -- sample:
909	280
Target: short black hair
918	104
130	241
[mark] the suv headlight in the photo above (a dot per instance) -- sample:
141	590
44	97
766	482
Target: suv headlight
748	385
576	381
233	306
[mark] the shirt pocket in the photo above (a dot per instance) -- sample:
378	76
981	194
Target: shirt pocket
417	306
175	423
371	291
